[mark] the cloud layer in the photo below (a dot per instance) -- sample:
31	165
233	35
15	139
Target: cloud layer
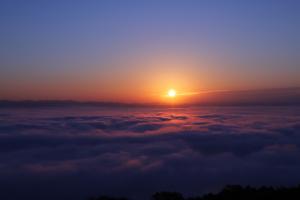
76	153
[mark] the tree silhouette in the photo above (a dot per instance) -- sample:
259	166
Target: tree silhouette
167	196
230	192
237	192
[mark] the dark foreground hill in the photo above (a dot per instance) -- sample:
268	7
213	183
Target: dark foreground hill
230	192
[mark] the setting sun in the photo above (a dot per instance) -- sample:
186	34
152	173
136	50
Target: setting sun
172	93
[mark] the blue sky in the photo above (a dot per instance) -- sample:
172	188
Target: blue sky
71	41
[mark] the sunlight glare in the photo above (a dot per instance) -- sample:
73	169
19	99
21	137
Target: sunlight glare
172	93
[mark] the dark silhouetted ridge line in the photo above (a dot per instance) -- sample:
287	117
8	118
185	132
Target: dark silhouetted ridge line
70	103
64	103
230	192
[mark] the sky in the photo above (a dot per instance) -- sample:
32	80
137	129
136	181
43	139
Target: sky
134	51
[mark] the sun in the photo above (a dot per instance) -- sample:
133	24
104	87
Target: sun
171	93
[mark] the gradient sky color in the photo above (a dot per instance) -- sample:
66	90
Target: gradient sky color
134	51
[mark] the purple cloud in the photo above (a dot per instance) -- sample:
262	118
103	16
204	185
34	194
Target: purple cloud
83	154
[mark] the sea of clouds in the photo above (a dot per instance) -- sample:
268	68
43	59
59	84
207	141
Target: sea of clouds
74	153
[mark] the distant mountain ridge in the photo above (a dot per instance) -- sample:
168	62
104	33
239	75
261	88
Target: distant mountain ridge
266	97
